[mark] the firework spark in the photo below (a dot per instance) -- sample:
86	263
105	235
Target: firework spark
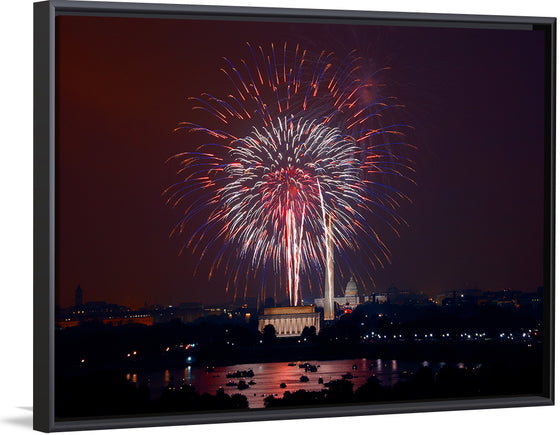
297	142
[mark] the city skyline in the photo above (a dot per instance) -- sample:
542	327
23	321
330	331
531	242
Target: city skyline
311	300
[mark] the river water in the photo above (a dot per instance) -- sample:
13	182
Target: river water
269	376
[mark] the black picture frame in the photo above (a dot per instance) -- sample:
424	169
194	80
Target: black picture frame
44	197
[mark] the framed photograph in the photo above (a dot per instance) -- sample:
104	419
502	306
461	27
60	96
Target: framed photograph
248	214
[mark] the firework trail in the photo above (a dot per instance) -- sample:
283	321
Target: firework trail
299	140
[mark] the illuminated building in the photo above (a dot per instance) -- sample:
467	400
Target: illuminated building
380	299
328	303
349	301
290	321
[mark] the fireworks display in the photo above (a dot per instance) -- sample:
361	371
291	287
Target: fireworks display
294	157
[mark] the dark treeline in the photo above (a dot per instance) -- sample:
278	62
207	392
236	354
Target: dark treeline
447	383
222	341
109	393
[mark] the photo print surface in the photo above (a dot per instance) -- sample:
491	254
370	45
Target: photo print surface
255	215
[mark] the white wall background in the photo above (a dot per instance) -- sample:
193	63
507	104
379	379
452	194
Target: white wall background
16	223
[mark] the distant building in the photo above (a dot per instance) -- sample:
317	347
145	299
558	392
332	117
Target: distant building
380	299
189	312
100	311
349	301
66	323
459	301
506	298
185	312
78	297
532	299
143	318
290	321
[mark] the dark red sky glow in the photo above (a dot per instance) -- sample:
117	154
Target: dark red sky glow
474	97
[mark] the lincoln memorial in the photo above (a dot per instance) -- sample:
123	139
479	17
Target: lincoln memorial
290	321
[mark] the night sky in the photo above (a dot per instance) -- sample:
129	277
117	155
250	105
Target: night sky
474	97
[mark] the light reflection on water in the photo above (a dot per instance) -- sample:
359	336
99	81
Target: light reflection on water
269	376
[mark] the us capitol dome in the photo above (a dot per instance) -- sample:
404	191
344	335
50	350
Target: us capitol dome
351	289
349	301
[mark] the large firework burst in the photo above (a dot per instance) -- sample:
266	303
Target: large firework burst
297	159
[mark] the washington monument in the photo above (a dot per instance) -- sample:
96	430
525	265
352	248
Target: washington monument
329	277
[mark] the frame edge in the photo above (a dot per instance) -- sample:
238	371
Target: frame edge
43	223
43	297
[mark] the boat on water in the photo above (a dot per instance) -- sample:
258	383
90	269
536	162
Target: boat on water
304	379
292	364
241	374
347	375
308	367
242	385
